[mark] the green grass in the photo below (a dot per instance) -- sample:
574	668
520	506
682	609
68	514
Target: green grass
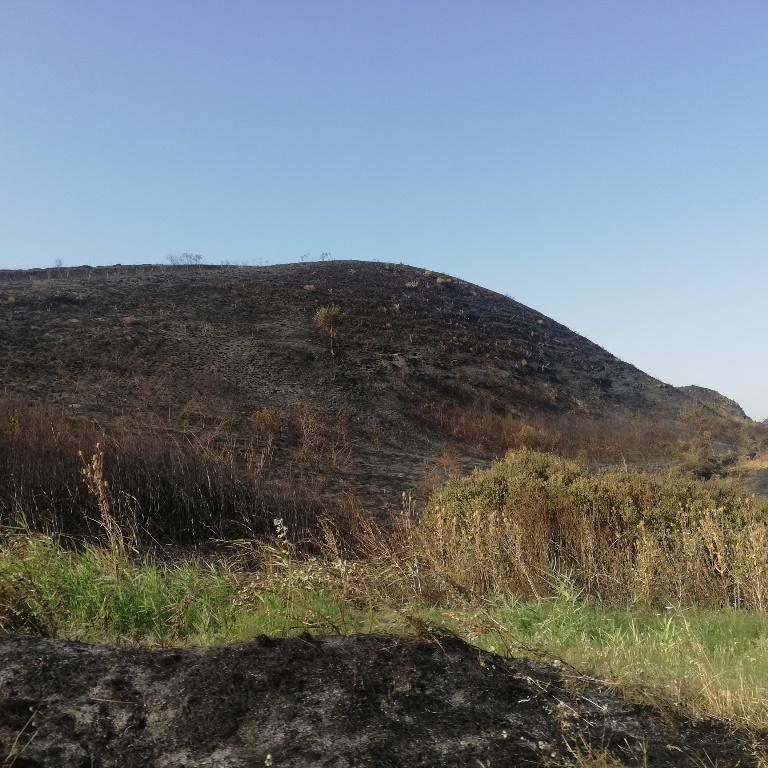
704	662
97	594
94	594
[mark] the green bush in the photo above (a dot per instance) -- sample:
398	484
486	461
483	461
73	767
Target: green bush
661	500
329	318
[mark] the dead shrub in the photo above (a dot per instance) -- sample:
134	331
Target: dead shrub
42	287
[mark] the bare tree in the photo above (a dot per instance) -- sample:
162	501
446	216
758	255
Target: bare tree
187	259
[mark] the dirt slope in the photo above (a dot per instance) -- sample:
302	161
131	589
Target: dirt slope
366	700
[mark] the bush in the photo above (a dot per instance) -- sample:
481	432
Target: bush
621	534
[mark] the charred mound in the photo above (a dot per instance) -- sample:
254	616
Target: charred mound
370	700
103	339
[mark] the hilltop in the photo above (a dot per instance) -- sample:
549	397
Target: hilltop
243	337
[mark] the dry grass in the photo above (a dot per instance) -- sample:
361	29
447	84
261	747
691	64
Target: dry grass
169	487
597	440
624	535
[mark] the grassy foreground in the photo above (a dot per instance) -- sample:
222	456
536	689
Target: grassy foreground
656	582
701	661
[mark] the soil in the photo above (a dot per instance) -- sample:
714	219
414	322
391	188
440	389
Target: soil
365	700
245	336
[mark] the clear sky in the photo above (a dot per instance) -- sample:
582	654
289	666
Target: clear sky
603	161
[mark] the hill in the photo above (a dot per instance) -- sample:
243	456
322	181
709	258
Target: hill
427	371
243	337
714	402
197	454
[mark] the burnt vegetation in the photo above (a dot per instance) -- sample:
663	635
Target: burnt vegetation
174	369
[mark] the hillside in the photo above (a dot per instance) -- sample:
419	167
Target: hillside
425	365
105	339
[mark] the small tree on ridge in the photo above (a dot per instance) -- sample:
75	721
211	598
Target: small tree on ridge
329	319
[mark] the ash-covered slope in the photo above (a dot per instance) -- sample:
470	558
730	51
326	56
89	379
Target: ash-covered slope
224	339
230	353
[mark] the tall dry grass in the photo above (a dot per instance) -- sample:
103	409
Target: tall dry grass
167	486
622	535
619	537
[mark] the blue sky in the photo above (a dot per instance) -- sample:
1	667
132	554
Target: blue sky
605	162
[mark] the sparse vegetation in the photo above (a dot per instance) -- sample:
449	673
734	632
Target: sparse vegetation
42	287
595	440
270	420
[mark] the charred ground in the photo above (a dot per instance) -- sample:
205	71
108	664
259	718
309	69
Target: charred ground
243	338
365	700
211	403
424	364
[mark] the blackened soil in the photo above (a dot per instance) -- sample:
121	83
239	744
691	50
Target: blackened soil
245	335
365	700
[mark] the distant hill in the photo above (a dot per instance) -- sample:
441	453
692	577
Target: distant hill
198	347
714	402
